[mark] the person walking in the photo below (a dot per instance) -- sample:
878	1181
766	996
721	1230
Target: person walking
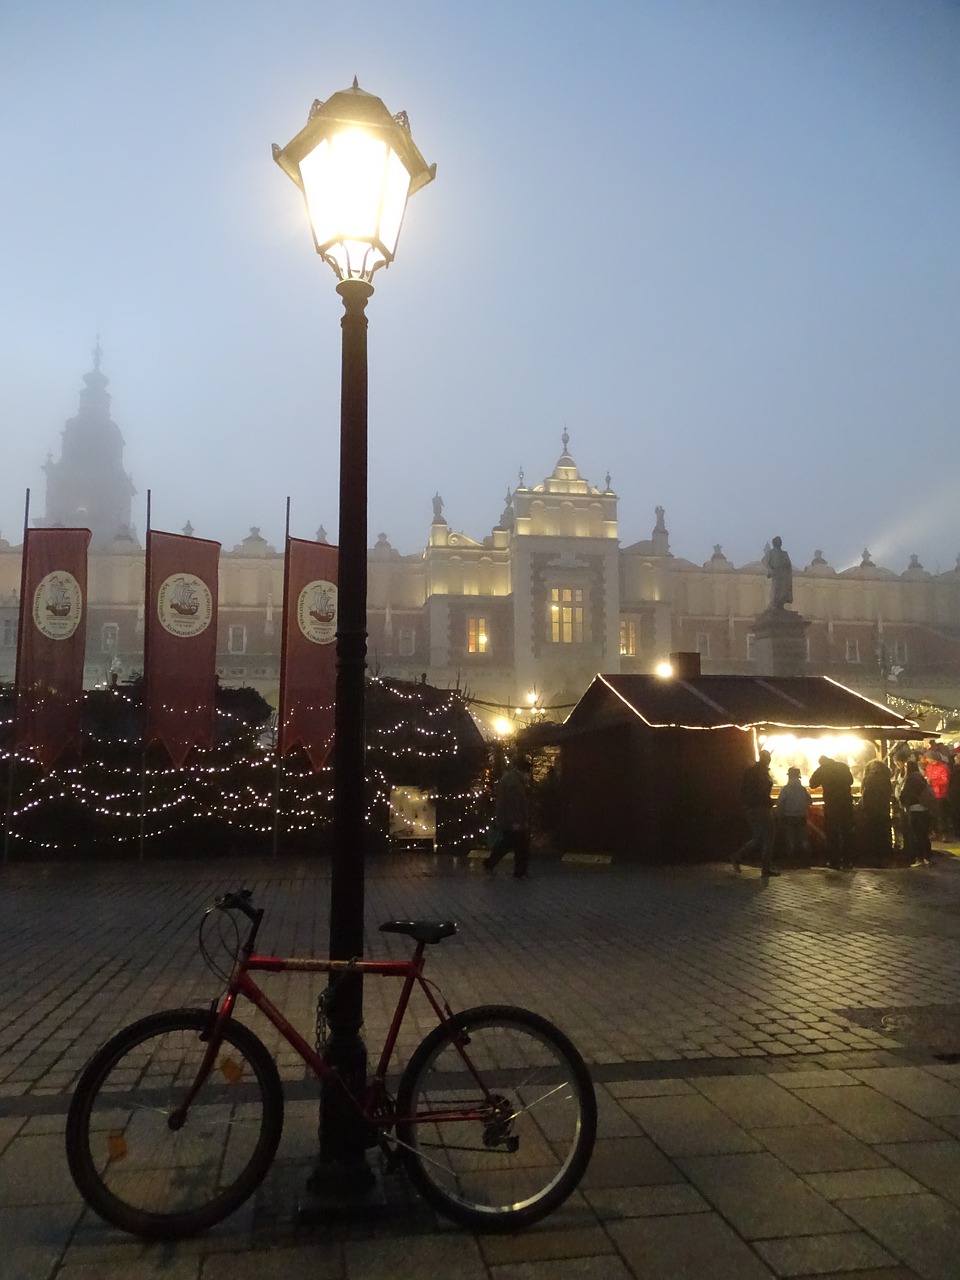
512	818
758	810
916	800
792	804
834	779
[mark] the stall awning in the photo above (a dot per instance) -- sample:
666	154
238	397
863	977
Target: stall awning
793	704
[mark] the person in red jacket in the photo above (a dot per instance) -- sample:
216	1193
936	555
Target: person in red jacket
937	773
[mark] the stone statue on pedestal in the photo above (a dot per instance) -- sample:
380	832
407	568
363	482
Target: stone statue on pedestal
780	573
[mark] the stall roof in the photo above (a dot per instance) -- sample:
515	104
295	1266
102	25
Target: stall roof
744	702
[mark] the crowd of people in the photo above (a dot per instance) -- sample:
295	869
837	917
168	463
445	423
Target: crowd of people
905	801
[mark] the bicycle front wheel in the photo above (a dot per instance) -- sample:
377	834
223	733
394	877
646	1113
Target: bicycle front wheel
496	1118
146	1177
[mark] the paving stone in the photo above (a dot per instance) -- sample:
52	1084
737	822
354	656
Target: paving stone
649	1088
612	1120
856	1184
321	1260
914	1088
935	1164
818	1148
922	1231
643	1202
870	1116
628	1162
810	1255
33	1170
657	1248
33	1238
414	1257
761	1197
603	1267
823	1079
756	1101
689	1126
540	1246
151	1267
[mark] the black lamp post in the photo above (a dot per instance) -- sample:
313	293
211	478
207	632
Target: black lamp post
356	165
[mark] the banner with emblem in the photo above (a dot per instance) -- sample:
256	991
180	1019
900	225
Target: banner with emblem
308	657
180	642
50	642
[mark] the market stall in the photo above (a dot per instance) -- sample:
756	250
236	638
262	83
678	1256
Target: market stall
651	766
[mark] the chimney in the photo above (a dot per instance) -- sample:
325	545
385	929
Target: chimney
685	665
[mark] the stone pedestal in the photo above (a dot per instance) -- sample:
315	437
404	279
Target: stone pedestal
779	643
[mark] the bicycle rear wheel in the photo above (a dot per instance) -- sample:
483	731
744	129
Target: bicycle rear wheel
134	1169
497	1118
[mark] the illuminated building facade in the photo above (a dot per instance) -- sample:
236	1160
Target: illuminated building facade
522	618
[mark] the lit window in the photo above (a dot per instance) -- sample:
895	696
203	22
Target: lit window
566	615
477	635
628	638
237	640
852	652
109	635
703	644
407	643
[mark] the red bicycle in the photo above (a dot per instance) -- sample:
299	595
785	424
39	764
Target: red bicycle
176	1119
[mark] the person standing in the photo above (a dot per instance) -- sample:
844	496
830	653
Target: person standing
834	779
937	773
512	817
758	809
876	792
792	805
916	801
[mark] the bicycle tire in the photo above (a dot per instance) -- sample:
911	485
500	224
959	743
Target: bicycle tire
530	1146
138	1173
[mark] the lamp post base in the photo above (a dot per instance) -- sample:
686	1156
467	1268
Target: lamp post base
335	1191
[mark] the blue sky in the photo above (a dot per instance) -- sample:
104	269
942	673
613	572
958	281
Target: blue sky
716	242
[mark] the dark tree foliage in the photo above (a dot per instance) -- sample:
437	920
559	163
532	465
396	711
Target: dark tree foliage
118	800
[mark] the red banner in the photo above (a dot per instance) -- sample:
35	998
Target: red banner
308	662
51	642
180	642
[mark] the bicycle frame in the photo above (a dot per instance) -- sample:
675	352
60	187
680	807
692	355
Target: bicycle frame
411	971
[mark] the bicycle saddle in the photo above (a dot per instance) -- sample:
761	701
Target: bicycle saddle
421	930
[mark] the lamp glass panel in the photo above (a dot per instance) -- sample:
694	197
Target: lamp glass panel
396	187
343	184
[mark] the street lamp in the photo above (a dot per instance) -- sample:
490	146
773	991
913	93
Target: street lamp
356	165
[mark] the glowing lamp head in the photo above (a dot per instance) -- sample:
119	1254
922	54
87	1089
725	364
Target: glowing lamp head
664	670
356	164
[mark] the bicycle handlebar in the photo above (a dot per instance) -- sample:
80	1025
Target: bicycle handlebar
240	901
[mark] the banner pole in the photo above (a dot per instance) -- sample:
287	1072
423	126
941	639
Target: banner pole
21	623
281	711
276	804
147	605
11	764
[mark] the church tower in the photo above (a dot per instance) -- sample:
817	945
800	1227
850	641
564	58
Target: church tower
88	487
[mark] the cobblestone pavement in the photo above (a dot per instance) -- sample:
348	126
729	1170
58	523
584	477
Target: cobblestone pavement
774	1062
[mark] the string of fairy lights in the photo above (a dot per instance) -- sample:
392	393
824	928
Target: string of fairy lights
117	794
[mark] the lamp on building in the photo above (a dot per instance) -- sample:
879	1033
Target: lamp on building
356	165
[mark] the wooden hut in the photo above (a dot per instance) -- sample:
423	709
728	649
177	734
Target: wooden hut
651	766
